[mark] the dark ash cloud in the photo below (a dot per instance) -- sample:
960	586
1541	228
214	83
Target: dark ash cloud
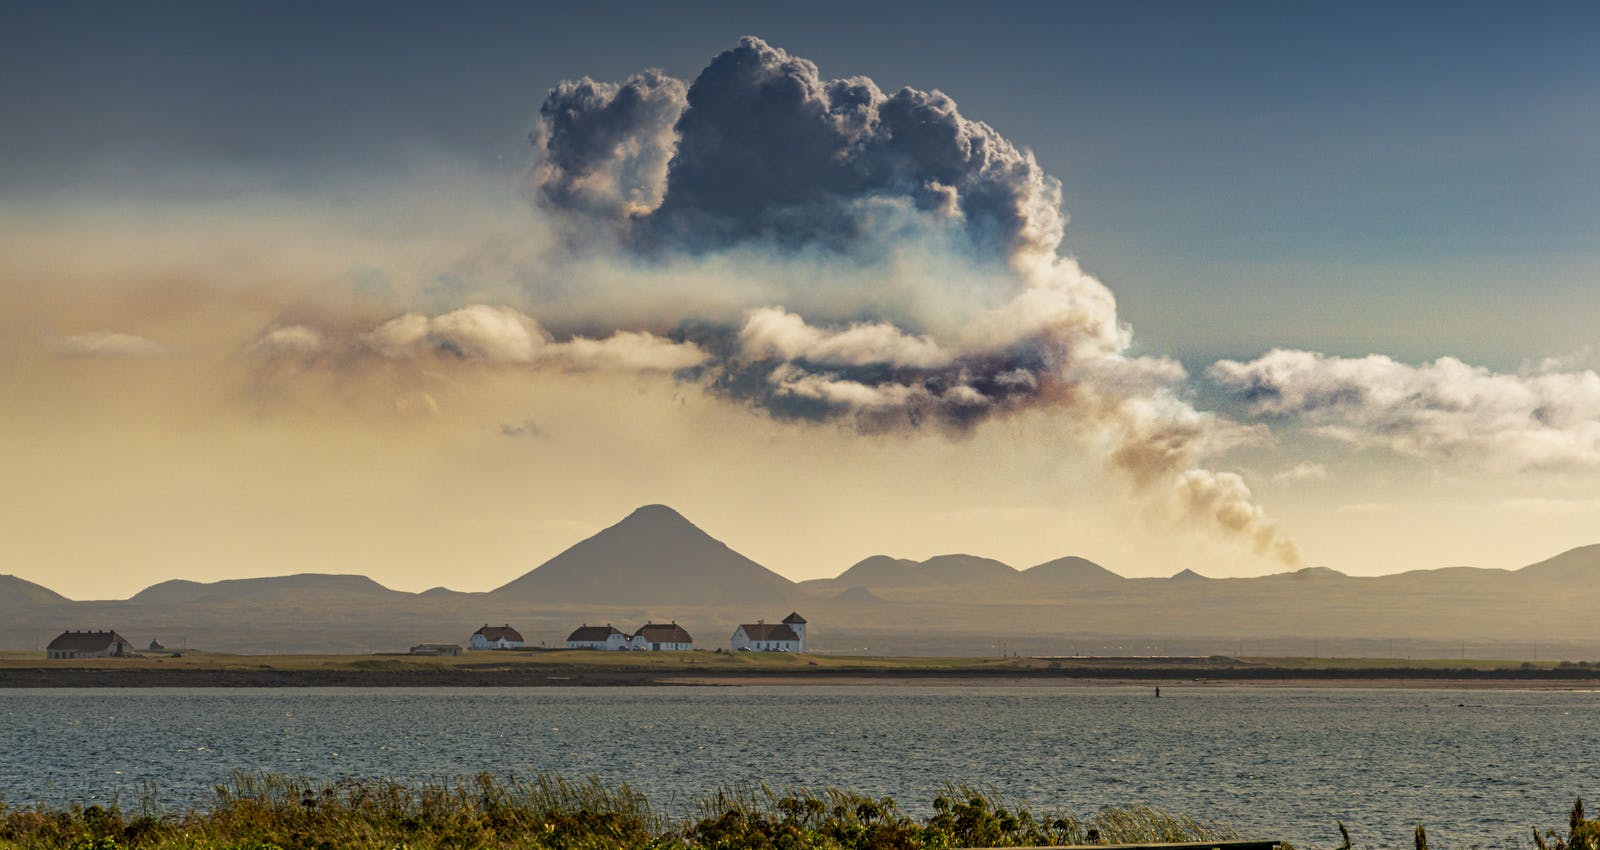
763	148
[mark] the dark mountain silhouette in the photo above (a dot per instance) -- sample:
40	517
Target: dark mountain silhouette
1576	565
1308	574
858	596
16	591
653	556
444	593
656	564
1071	571
882	571
967	570
303	588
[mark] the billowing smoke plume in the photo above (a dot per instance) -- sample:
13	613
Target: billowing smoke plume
821	251
766	149
606	146
765	152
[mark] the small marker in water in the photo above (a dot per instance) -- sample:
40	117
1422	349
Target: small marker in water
1158	693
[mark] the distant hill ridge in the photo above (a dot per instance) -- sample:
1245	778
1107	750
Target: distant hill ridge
655	555
1582	563
271	588
16	591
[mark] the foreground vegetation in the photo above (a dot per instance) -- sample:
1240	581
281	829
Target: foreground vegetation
263	812
274	812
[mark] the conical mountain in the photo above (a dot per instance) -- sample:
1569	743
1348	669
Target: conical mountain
652	556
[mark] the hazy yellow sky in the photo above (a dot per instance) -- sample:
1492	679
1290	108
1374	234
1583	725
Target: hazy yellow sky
360	303
187	456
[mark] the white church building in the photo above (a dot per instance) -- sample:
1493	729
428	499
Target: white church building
787	636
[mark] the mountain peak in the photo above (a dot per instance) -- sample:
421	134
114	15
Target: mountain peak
654	512
1070	570
652	555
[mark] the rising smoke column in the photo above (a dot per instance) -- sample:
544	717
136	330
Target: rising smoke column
909	262
765	153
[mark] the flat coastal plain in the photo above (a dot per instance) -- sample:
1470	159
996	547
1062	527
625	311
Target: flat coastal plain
565	668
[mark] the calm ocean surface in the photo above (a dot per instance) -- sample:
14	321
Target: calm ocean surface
1479	768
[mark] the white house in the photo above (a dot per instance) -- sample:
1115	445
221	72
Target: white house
661	637
787	636
495	637
597	637
89	645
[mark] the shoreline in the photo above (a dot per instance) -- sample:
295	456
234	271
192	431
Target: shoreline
534	675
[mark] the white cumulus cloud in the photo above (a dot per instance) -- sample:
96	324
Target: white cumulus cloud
1443	409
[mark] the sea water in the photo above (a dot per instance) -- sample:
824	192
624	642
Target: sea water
1479	768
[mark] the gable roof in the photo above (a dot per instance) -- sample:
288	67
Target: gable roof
663	633
794	617
595	634
493	633
769	631
86	641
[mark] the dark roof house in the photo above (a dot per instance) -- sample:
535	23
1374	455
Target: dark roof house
494	633
89	645
663	633
593	634
794	618
769	631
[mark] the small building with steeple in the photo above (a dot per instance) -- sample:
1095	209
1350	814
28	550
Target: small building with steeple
761	636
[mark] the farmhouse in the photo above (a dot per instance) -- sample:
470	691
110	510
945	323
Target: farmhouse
661	637
495	637
597	637
787	636
89	645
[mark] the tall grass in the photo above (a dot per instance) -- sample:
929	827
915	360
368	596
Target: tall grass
265	811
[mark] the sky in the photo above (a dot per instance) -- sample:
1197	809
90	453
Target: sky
431	293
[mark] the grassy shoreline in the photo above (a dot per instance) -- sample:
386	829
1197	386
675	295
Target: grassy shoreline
258	811
558	668
275	812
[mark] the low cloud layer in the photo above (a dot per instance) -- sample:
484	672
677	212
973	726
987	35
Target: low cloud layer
107	344
495	335
1544	419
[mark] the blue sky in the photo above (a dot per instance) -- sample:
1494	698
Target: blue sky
1382	163
1410	180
